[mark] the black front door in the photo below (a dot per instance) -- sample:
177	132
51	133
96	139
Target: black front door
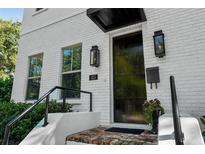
129	78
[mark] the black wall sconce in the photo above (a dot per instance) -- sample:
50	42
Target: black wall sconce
153	76
159	45
95	56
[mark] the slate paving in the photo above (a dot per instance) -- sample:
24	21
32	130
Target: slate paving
99	136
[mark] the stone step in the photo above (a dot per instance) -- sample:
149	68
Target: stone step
99	136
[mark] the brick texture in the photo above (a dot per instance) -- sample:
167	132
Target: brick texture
53	29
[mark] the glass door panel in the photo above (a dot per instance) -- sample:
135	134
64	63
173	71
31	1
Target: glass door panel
129	78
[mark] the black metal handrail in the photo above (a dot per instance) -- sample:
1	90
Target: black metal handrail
45	96
176	116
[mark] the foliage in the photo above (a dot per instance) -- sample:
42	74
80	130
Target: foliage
76	58
9	110
9	35
72	59
35	65
202	118
5	89
129	76
149	107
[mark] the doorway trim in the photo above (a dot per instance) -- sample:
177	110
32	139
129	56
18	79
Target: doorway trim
113	34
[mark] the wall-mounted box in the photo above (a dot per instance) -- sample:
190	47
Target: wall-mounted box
153	75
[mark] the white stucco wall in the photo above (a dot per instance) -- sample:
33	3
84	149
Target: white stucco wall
189	126
184	31
60	126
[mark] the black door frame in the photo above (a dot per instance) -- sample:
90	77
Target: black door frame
129	33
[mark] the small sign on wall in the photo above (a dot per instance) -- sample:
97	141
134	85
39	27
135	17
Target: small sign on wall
93	77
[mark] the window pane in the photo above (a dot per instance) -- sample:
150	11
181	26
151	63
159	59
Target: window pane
33	88
72	81
67	55
35	65
159	43
76	58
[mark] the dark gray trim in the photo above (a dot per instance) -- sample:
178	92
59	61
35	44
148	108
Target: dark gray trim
179	138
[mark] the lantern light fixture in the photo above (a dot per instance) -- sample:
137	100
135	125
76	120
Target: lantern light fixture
159	45
95	56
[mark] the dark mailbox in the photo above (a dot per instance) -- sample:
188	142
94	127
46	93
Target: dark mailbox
153	75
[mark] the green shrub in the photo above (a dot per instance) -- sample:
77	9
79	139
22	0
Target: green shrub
149	107
5	89
9	110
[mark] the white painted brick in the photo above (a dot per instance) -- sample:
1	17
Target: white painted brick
184	31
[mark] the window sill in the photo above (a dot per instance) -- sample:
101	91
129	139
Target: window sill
40	11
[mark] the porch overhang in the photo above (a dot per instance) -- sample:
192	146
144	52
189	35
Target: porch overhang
108	19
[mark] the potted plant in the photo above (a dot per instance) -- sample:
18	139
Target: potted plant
152	110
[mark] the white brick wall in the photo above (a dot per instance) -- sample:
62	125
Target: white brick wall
184	31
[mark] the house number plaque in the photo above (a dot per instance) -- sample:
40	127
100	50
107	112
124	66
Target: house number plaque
93	77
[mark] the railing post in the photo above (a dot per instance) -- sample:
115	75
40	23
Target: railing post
176	117
46	112
64	102
91	102
6	136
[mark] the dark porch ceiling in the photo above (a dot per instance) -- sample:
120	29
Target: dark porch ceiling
109	19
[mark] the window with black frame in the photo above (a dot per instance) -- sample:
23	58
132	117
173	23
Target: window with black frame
34	77
71	70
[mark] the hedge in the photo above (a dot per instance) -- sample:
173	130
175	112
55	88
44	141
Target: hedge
9	110
5	89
